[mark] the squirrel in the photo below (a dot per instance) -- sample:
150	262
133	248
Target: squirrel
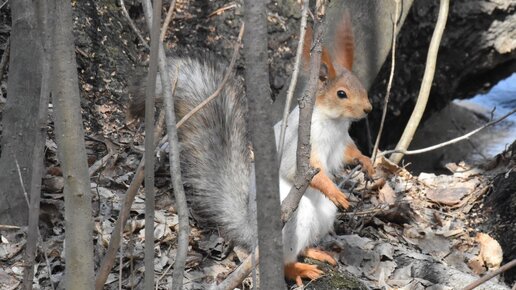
340	100
216	157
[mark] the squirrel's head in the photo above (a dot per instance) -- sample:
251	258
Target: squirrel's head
340	94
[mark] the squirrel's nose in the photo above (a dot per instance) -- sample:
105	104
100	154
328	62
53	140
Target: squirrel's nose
368	109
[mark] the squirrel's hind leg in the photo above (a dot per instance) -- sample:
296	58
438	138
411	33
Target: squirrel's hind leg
296	271
319	255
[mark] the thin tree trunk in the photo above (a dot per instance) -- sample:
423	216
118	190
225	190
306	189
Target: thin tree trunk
426	83
20	113
72	153
262	136
149	148
175	169
33	235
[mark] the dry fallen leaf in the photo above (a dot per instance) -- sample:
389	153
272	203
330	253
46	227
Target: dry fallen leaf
387	194
447	196
476	265
490	251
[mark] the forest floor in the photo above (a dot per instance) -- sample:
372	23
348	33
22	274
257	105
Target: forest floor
409	232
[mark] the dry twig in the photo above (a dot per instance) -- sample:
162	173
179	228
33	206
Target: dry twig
293	81
29	274
391	77
236	277
3	4
306	105
149	146
109	258
99	163
449	142
132	25
9	227
175	168
222	9
490	275
5	57
426	83
168	18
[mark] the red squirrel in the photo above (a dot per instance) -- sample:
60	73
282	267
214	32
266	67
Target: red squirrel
216	157
340	100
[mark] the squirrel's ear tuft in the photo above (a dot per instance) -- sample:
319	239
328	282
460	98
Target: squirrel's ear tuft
323	73
327	66
344	42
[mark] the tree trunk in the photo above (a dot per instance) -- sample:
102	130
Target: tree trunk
20	114
72	153
262	136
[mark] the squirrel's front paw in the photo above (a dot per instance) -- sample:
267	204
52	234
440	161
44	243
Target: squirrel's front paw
367	166
338	198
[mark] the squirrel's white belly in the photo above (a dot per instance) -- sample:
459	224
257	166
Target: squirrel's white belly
312	220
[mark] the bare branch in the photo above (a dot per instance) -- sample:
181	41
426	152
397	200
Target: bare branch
289	205
304	172
132	25
3	4
426	83
455	140
177	183
114	243
490	275
224	80
149	148
99	163
5	57
168	18
236	277
389	84
293	81
222	9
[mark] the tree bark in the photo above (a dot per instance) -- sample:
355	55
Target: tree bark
262	137
150	198
20	114
38	153
72	153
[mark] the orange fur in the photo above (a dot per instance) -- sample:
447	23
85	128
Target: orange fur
326	61
344	42
355	106
319	255
324	184
353	155
296	271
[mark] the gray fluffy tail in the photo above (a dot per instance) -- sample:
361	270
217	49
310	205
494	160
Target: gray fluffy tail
215	153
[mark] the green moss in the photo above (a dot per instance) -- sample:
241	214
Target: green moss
334	280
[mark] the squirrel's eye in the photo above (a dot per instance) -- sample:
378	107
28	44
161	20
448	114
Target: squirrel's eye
341	94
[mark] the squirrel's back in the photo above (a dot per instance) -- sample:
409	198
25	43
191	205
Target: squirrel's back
215	151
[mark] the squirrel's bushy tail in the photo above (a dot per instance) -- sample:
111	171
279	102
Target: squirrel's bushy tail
215	153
